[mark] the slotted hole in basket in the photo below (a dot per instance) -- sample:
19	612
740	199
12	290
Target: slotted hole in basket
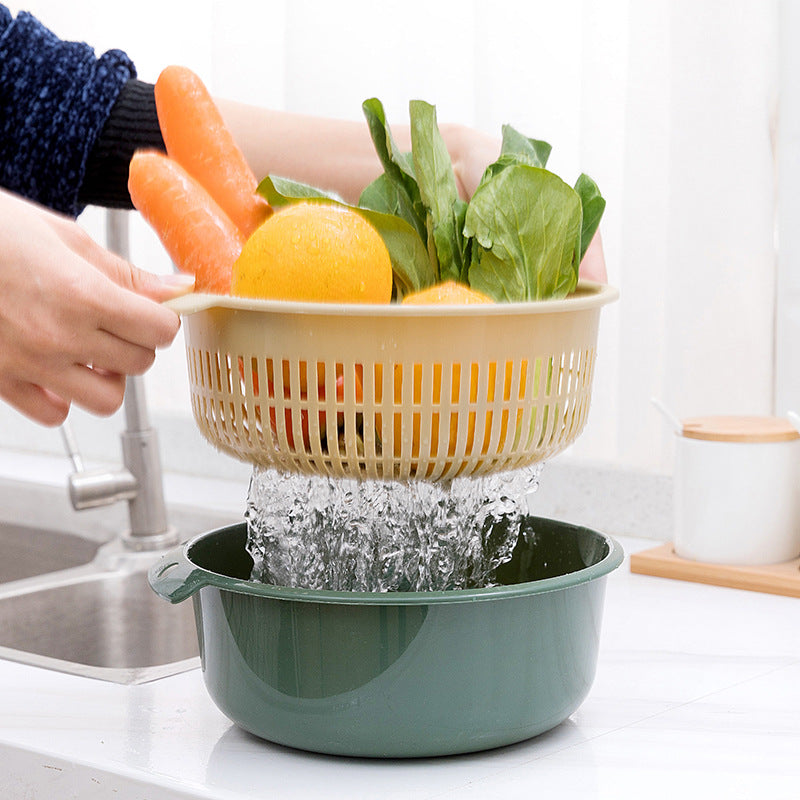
230	406
272	393
430	441
307	381
213	407
384	423
208	382
539	382
191	366
521	386
350	408
329	416
260	404
296	382
503	386
556	409
250	382
526	409
230	398
308	417
371	392
226	372
471	386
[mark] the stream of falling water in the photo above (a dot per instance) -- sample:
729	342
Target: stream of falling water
377	536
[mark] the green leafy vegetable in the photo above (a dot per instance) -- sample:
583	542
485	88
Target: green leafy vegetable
521	237
438	191
526	223
398	181
279	191
593	206
518	149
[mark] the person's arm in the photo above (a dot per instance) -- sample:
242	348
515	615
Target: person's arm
74	318
54	99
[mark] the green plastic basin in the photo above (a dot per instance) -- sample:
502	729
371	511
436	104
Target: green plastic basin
403	674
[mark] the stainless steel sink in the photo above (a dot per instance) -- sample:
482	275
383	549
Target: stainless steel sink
25	551
70	604
107	625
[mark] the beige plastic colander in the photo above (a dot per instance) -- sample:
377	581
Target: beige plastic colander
391	391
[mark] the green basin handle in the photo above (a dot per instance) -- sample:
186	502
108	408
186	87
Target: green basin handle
174	577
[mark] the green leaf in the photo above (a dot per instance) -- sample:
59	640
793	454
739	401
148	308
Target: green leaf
382	195
526	223
438	190
501	279
398	167
518	149
410	264
593	206
280	191
533	152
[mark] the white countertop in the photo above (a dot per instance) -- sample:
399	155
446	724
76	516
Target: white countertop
697	695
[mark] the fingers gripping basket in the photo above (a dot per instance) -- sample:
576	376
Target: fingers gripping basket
391	391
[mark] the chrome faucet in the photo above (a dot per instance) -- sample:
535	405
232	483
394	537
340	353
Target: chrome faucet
140	481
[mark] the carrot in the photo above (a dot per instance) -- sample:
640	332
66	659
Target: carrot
199	237
197	138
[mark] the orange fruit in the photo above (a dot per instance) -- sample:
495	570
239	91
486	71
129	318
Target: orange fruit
446	293
315	252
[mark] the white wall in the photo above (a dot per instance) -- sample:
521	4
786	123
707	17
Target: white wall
668	105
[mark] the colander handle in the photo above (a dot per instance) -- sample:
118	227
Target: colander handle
194	302
174	577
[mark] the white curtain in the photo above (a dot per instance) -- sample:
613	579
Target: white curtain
668	104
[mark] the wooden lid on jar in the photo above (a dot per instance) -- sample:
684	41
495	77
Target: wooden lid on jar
740	429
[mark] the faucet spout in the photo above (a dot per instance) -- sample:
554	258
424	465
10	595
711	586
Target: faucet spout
140	453
141	481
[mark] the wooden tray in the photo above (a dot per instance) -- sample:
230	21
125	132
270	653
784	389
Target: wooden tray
662	562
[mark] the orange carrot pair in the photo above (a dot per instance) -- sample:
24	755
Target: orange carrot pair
197	137
198	236
201	197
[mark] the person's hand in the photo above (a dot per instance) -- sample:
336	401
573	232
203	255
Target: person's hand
471	151
75	319
593	266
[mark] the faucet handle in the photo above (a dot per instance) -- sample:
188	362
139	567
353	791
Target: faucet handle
100	487
93	488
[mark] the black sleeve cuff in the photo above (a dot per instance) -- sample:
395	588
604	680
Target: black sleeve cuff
132	125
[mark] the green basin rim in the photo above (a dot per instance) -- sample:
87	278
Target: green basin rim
606	565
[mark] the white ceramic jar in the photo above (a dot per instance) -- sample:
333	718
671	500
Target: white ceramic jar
737	490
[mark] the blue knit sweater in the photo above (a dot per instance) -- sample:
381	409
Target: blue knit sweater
55	97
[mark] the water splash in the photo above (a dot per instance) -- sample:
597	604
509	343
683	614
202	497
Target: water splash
377	536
